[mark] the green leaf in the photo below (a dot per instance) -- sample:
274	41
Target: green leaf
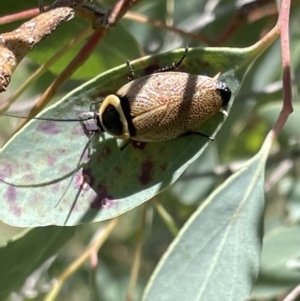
217	253
97	62
24	254
270	113
187	188
50	177
280	252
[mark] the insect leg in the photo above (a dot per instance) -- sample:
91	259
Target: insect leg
41	6
130	77
174	66
224	112
125	144
198	134
217	75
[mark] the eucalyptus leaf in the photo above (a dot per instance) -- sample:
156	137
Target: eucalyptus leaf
216	254
279	271
26	252
270	112
51	174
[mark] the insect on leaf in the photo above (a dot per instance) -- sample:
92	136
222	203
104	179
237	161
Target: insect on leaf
50	176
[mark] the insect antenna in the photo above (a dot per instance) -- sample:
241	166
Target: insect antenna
83	117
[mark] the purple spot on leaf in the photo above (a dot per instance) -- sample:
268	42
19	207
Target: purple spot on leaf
11	194
83	181
146	172
49	128
77	131
55	188
64	169
16	210
51	160
138	144
29	178
6	171
103	199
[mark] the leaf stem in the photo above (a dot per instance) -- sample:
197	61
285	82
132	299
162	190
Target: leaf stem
73	267
292	296
166	217
137	257
287	108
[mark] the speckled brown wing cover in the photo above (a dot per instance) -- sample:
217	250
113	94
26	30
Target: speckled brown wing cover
166	105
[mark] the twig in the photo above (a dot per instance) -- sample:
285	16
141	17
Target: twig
137	256
112	17
287	107
157	23
74	266
119	10
293	295
245	13
43	68
16	44
30	13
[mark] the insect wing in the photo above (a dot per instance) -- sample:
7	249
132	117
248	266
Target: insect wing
166	105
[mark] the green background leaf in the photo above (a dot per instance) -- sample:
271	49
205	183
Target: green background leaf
279	271
104	57
217	253
26	252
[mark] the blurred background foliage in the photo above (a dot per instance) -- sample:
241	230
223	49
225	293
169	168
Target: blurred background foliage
217	23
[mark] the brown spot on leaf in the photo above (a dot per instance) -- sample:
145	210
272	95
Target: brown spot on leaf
103	199
104	153
117	170
146	175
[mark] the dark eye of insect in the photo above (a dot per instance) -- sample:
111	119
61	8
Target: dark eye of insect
225	93
111	120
